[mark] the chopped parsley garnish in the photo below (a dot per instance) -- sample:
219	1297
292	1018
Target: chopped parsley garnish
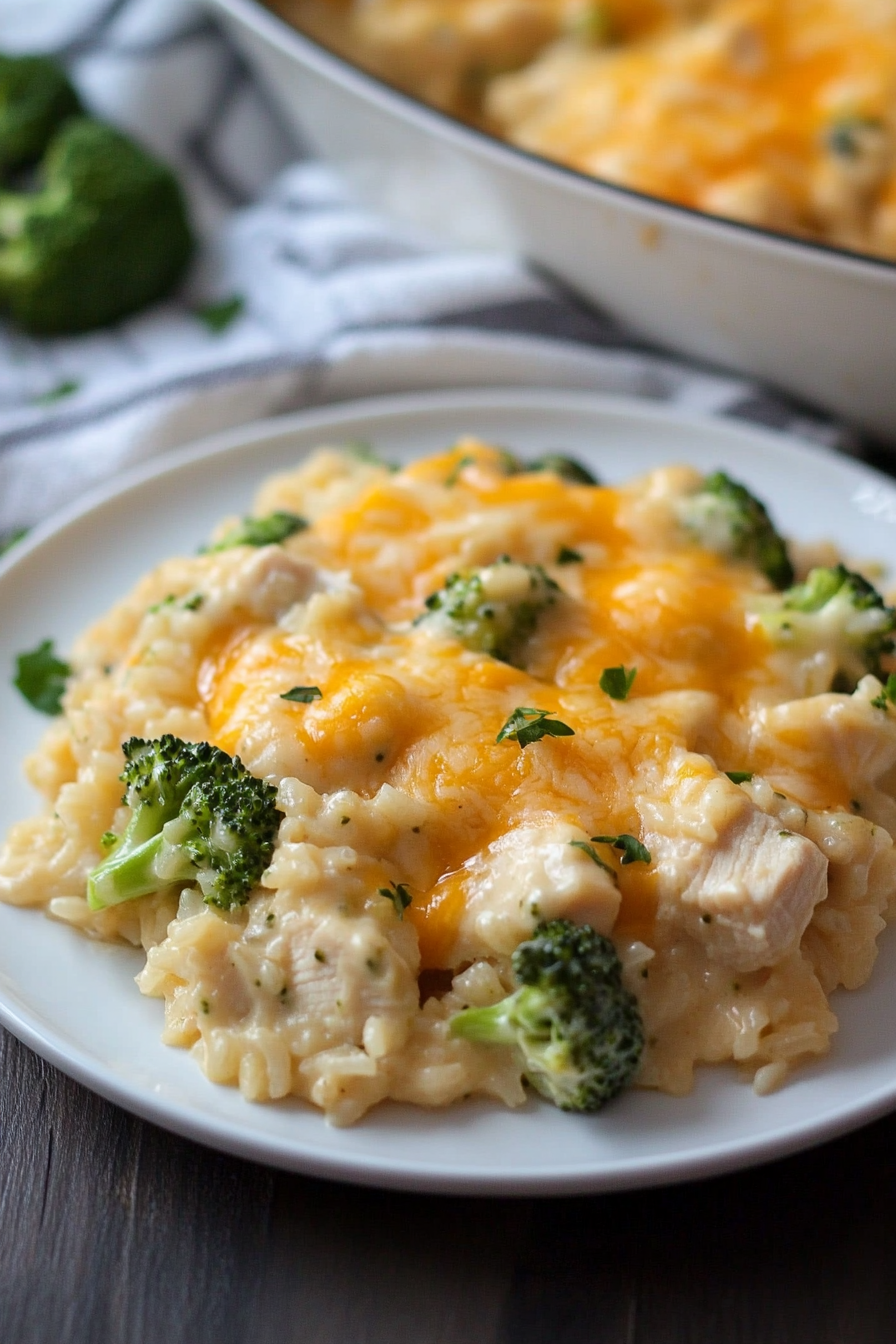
302	695
11	538
887	696
365	452
567	556
531	725
454	475
217	317
398	894
592	853
108	839
67	388
739	776
189	603
844	137
41	678
632	849
616	682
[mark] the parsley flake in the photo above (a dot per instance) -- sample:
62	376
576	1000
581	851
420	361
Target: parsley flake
398	894
887	696
41	678
302	695
567	556
617	681
531	725
217	317
739	776
7	543
592	853
454	475
632	849
67	388
365	452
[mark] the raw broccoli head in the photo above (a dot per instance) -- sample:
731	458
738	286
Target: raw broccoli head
35	97
725	517
577	1028
197	815
106	234
492	610
837	613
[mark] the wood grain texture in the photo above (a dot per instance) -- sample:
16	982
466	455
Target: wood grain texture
114	1232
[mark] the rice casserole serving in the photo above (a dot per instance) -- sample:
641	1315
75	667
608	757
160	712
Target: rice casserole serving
477	705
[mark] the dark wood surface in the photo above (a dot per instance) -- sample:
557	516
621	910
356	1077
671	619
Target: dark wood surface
113	1230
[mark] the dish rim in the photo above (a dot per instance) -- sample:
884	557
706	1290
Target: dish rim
278	30
227	1135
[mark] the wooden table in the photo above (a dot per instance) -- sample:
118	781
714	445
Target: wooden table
112	1230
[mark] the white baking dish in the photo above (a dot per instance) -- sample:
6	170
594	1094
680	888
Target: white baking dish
818	322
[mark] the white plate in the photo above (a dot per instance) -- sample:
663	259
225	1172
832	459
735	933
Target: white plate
74	1001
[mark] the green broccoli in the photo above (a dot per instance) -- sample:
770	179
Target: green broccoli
577	1028
567	468
197	815
35	98
838	613
492	610
270	530
106	233
725	517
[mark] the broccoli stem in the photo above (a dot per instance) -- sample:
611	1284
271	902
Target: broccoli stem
500	1023
129	873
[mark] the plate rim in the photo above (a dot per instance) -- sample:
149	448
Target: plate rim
223	1134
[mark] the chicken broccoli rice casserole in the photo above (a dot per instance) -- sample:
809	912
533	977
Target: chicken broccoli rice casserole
478	775
778	113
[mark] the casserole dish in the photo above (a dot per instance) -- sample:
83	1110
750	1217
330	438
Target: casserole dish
816	321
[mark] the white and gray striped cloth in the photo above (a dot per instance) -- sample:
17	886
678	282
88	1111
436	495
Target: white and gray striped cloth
337	302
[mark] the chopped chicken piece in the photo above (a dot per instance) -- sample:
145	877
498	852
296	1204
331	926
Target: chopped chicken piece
265	586
531	874
726	872
856	737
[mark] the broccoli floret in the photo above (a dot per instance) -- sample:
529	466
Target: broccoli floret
837	613
270	530
35	98
576	1026
492	610
197	815
106	234
567	468
725	517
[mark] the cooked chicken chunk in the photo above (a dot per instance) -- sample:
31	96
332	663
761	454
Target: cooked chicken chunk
725	871
855	738
531	874
265	586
